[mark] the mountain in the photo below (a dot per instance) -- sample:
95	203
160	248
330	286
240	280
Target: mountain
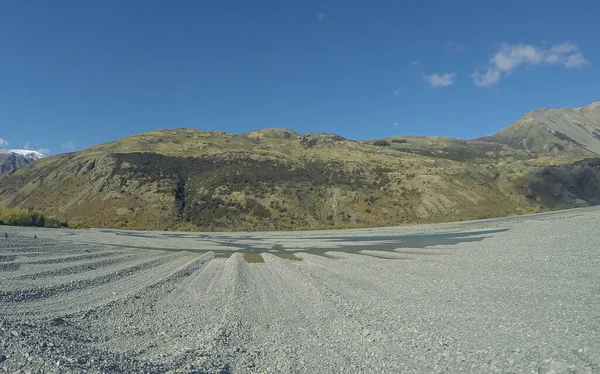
11	159
575	131
275	179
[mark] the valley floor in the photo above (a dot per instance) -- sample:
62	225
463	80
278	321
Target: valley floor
525	299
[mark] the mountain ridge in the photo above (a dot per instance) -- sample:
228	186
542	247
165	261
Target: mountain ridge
277	179
552	130
12	159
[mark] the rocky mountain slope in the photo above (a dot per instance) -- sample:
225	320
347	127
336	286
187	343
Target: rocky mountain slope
278	179
554	131
11	159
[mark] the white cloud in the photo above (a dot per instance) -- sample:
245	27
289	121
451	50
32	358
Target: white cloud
27	145
414	63
321	16
437	80
575	61
490	78
564	48
511	56
3	142
396	92
68	146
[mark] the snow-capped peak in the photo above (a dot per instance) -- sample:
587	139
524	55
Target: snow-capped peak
31	155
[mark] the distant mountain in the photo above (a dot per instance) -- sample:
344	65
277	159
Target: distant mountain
274	179
11	159
555	131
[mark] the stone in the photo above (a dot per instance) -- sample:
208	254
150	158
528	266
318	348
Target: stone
558	366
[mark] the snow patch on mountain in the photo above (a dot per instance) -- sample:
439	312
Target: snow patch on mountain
28	154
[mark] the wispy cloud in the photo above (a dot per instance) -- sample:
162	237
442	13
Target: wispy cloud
414	63
68	146
437	80
453	46
30	147
511	56
3	143
396	92
321	16
576	61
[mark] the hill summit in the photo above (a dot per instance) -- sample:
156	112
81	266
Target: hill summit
576	130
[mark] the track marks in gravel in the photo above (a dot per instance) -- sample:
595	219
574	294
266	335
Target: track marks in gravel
67	259
67	284
503	305
33	272
103	277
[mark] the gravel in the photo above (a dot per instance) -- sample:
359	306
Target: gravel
526	300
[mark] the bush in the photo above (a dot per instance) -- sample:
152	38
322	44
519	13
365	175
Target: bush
19	217
77	225
399	141
53	223
565	137
381	143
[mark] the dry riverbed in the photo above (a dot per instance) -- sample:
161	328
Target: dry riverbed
508	296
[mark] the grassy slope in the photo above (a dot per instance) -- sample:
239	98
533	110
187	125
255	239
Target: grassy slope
276	179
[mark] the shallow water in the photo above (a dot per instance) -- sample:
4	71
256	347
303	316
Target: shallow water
345	244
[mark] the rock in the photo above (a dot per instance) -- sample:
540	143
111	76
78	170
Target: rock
14	333
576	370
558	366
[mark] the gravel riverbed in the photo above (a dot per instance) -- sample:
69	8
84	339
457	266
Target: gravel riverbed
525	300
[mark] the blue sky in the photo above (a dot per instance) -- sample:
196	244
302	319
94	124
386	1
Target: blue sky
81	72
